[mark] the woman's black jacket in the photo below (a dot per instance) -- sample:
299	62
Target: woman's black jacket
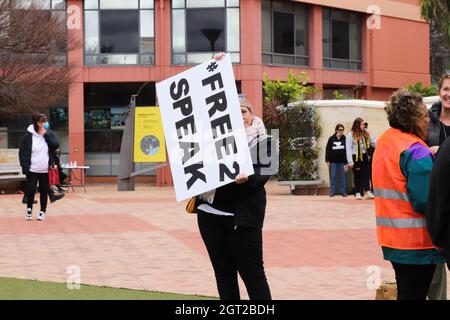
434	126
248	200
26	146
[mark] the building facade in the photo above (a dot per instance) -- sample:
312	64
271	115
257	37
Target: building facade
355	47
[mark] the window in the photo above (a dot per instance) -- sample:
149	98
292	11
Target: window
45	14
12	129
119	32
341	40
200	28
44	4
284	33
105	113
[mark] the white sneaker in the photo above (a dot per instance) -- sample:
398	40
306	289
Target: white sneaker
358	196
369	195
29	215
41	216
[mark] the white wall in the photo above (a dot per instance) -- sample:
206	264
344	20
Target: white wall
332	112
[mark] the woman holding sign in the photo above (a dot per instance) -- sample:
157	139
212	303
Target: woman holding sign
230	219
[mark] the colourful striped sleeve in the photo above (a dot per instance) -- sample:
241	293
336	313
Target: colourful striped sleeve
416	164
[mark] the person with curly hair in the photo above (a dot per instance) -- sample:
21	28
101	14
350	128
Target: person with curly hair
402	164
358	143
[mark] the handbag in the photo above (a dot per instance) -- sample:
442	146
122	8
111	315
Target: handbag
53	175
192	205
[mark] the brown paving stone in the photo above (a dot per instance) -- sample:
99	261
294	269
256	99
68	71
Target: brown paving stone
315	247
93	223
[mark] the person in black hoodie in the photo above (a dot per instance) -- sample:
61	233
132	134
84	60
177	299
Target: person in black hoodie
35	156
438	208
336	159
230	220
438	131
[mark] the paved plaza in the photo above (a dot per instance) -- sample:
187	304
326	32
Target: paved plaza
315	247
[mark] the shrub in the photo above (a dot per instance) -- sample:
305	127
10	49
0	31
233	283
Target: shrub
299	126
423	90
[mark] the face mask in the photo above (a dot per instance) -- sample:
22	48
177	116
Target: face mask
46	125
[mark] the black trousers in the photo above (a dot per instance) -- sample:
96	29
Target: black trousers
32	180
361	172
413	281
234	251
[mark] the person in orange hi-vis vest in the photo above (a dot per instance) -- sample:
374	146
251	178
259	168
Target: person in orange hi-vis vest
401	167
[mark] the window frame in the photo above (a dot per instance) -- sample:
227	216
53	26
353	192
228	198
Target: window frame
186	53
294	56
349	61
99	55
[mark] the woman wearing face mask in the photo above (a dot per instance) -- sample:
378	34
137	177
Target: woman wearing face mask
34	155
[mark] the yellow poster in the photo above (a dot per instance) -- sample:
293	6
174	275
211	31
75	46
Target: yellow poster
149	144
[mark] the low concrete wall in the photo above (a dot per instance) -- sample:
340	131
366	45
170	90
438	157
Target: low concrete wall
332	112
9	155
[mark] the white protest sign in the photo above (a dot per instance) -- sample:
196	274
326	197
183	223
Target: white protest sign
203	127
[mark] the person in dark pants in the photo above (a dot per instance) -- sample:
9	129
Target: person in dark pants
34	155
438	208
438	131
336	159
230	220
357	143
402	164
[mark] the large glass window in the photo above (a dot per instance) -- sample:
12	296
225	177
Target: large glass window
341	40
201	28
12	129
284	33
119	32
105	113
54	49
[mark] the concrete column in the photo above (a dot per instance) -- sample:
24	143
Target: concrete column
251	53
76	90
163	50
315	46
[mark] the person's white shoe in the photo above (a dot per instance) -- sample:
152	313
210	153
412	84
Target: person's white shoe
358	196
369	195
29	215
41	216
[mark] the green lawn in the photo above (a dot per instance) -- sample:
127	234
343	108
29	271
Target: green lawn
18	289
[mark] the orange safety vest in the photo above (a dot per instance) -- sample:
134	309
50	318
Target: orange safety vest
398	225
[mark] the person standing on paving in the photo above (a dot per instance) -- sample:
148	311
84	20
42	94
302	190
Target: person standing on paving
336	159
438	210
230	218
358	142
438	131
402	165
34	155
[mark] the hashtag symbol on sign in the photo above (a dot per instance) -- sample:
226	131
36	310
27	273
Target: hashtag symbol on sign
212	66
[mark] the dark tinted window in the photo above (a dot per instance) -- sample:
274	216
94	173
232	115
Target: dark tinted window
119	31
117	94
340	42
97	141
205	30
283	32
